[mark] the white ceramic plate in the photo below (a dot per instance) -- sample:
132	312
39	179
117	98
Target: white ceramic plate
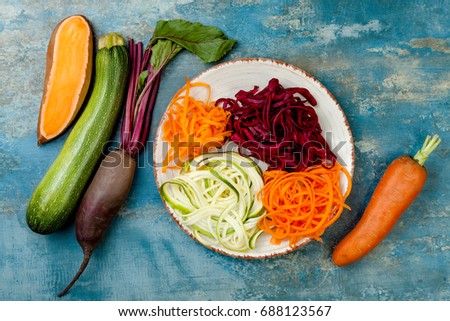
226	80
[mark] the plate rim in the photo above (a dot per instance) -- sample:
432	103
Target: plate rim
268	61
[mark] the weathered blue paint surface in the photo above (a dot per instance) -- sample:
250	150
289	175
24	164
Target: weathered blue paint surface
386	62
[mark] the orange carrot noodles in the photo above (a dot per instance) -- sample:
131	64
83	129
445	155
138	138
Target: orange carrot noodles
193	126
302	204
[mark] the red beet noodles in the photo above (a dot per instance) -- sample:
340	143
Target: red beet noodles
278	126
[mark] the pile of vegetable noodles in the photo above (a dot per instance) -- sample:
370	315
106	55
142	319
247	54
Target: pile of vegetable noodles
302	204
301	195
193	126
215	194
278	126
112	182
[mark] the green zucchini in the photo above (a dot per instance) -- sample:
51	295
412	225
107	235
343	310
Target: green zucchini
57	196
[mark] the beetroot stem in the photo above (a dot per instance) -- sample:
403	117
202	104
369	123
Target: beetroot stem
147	54
139	105
127	124
149	82
148	115
139	124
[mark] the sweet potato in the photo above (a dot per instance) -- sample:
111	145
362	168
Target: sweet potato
67	76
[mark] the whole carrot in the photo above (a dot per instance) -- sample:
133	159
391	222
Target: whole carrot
401	183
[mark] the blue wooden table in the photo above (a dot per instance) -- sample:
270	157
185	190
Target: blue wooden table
386	62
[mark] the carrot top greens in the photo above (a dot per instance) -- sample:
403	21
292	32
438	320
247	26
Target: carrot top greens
428	147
